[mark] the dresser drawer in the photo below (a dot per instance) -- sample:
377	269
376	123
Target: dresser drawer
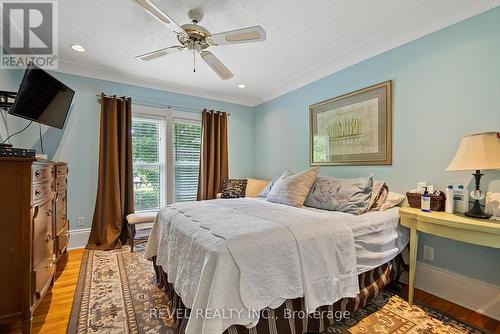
61	170
44	273
43	239
42	172
61	183
42	192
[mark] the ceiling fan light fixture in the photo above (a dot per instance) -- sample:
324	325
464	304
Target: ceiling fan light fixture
241	86
195	38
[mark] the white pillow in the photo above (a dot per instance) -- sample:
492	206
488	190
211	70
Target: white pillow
392	200
292	189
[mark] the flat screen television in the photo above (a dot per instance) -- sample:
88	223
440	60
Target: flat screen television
42	98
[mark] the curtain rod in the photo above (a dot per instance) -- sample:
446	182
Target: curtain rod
159	105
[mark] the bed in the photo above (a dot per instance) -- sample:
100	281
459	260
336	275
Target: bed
245	265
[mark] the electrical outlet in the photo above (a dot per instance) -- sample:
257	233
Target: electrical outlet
80	221
428	253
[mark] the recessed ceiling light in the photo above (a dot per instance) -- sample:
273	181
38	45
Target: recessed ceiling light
241	86
78	48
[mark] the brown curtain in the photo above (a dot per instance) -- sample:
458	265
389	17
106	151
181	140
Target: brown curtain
213	159
115	196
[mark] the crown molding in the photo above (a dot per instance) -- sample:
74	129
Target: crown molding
102	73
435	19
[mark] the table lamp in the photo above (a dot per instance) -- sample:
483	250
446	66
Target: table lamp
477	152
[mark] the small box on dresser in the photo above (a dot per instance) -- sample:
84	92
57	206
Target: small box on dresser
32	203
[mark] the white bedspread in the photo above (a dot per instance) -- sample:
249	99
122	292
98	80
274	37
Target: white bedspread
247	254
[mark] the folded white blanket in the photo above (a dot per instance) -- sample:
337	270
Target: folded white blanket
281	252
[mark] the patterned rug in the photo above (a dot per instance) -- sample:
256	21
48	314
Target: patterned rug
116	294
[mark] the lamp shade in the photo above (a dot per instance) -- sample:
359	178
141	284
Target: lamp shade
477	152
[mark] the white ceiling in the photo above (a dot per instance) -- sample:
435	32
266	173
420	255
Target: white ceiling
306	40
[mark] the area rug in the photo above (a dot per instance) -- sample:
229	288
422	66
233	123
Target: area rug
116	294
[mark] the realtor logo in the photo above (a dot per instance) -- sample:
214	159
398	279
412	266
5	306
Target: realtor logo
29	34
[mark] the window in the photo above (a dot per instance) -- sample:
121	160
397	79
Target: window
166	157
187	145
148	163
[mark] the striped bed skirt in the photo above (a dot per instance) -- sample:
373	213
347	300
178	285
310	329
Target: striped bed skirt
280	321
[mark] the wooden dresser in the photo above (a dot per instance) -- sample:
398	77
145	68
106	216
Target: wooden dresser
33	233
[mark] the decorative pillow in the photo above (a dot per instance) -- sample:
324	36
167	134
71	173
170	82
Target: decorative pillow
233	188
392	200
345	195
292	189
379	195
270	185
255	187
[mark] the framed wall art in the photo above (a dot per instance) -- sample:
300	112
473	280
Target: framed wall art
353	129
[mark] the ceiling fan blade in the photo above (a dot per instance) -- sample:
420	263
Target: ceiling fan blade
157	13
160	53
245	35
222	71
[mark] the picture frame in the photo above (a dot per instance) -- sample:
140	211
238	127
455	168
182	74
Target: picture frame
353	129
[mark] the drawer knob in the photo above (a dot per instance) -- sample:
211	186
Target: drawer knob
49	212
37	173
37	192
48	238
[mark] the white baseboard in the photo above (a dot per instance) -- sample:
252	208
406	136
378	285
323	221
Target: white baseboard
470	293
79	238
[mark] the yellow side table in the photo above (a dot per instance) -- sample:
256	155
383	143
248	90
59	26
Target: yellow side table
452	226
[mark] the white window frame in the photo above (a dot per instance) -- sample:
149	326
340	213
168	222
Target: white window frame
161	157
169	116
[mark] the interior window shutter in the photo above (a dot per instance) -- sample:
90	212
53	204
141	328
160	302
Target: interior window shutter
187	145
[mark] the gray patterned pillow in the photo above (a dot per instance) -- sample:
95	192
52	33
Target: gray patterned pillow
233	188
292	189
345	195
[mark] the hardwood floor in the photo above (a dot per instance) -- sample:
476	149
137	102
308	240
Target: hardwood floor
51	317
458	312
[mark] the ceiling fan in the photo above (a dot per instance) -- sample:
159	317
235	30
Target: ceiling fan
194	37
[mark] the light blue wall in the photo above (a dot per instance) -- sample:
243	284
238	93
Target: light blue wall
446	84
78	143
